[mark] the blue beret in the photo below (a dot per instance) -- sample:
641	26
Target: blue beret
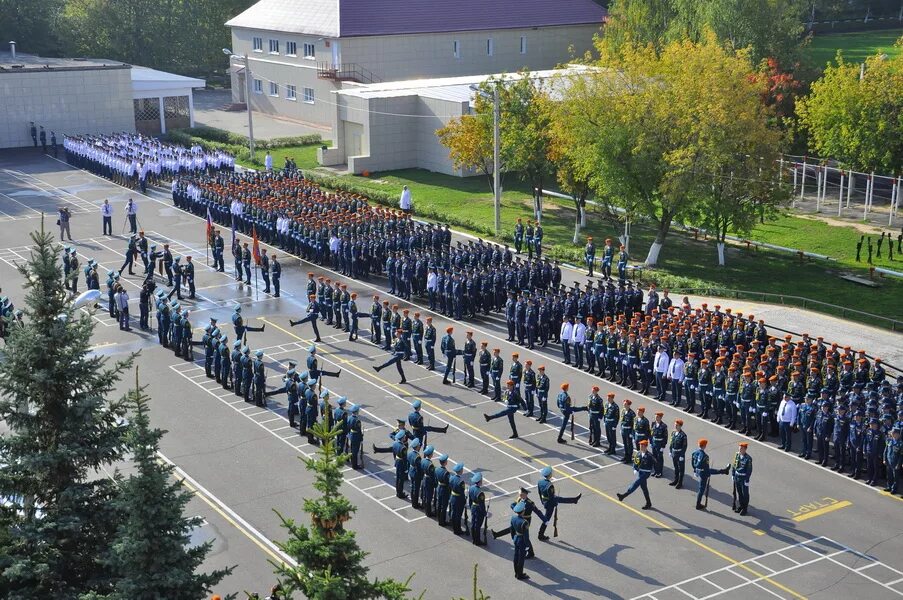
417	404
443	457
476	478
415	443
546	471
312	349
400	436
428	451
520	507
458	468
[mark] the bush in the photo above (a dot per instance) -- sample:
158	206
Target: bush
200	135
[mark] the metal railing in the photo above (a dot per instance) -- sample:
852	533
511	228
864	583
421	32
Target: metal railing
798	302
346	72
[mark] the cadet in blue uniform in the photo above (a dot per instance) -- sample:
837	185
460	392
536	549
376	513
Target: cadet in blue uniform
550	499
893	455
824	426
476	500
805	418
415	419
742	472
340	418
399	451
520	532
542	393
594	405
443	490
677	448
530	509
658	441
700	463
313	366
415	475
643	464
513	402
469	353
565	405
313	313
428	487
429	343
456	504
447	347
239	324
398	351
627	420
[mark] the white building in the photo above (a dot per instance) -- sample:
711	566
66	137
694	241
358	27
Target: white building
162	100
301	51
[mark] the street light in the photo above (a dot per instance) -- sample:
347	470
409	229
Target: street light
229	53
496	175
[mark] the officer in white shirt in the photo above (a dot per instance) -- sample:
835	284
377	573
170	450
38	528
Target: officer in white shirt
405	202
577	339
676	377
662	362
567	332
787	413
131	211
106	210
268	161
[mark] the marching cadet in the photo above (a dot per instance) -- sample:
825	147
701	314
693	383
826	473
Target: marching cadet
530	509
399	451
550	500
208	342
376	313
353	316
641	428
415	419
162	319
677	447
443	490
188	273
611	418
177	277
495	372
565	405
742	472
700	464
340	418
265	270
447	347
429	339
313	366
311	410
642	467
428	487
167	264
485	359
469	353
456	508
513	402
542	393
400	426
397	356
594	404
239	323
415	475
313	313
187	343
276	269
659	440
417	338
292	393
627	420
476	500
520	531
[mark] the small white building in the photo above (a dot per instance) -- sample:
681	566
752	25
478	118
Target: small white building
389	126
162	101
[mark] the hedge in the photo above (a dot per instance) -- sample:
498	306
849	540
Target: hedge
213	138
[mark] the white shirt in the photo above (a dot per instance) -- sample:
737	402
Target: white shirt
579	333
131	208
268	162
567	330
662	361
787	411
122	300
405	202
676	369
106	210
432	281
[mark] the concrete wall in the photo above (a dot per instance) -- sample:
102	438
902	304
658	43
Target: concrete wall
431	154
401	57
67	102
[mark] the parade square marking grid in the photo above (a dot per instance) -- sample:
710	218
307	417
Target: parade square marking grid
57	195
816	551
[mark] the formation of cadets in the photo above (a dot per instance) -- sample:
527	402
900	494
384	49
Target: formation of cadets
134	160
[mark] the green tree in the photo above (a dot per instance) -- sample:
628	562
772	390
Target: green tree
854	114
62	431
646	128
33	24
329	561
151	557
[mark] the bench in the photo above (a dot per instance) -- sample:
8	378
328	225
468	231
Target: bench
861	281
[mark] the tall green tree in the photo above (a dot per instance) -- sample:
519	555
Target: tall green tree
646	125
329	561
33	24
62	430
854	114
151	557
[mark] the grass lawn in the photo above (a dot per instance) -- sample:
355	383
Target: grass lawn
761	271
305	156
856	46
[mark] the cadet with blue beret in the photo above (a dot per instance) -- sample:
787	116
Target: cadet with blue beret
456	508
476	500
550	499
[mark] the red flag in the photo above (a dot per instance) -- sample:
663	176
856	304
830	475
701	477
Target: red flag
256	247
209	224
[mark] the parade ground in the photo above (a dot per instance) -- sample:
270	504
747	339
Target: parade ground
810	532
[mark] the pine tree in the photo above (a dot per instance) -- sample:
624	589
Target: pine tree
151	558
329	561
62	432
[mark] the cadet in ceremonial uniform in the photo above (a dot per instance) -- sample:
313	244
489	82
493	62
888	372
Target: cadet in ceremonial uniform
742	472
398	352
476	500
677	448
643	464
658	441
415	419
443	490
513	402
550	499
520	531
399	451
565	405
456	504
700	463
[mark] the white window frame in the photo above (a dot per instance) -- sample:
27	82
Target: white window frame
274	44
490	46
257	44
310	51
523	44
309	96
456	49
258	86
291	48
274	89
291	92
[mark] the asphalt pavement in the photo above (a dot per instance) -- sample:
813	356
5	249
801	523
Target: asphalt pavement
810	533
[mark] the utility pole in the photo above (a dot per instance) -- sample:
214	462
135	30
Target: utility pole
248	95
496	175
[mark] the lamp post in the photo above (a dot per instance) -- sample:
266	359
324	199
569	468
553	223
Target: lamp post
229	53
496	151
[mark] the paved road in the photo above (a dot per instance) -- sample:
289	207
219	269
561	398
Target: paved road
208	111
810	534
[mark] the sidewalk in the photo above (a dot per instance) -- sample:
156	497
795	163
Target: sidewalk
208	112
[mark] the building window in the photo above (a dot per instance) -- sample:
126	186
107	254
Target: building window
274	46
258	86
490	47
257	44
456	49
291	48
309	51
291	92
274	88
309	95
523	44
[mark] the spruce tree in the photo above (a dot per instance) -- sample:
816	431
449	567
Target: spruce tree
151	557
330	563
61	433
